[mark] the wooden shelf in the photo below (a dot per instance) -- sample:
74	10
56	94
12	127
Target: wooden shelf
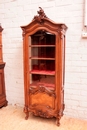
42	46
42	72
41	58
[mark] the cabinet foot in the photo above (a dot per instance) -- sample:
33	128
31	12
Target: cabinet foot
27	115
58	122
26	112
4	104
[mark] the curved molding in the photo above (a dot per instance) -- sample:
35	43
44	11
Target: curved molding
2	65
41	21
1	29
42	89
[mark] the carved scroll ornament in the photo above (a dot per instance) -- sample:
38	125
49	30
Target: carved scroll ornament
41	16
44	114
43	90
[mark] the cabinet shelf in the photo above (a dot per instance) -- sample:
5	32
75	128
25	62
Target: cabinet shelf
42	46
42	72
41	58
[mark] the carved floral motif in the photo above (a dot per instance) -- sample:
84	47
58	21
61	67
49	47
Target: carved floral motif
41	16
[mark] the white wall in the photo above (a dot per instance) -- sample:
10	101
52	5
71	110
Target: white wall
15	13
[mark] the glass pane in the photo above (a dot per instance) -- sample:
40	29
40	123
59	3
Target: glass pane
43	38
43	81
42	65
45	52
42	59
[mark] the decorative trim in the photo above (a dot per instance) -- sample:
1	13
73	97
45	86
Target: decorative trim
40	18
42	113
36	105
23	33
43	90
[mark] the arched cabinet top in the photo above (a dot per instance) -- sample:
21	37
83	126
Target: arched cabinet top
42	22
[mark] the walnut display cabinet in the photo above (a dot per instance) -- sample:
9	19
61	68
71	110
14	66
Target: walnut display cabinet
3	101
44	67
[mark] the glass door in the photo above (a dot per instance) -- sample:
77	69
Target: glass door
42	60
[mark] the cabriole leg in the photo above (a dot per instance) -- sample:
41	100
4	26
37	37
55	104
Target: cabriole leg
26	112
58	121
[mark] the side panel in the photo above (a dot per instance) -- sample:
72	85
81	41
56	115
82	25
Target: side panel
2	87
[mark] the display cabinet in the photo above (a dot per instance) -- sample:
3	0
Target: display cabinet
3	101
44	67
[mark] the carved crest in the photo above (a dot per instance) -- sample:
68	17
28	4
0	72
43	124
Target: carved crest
41	16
